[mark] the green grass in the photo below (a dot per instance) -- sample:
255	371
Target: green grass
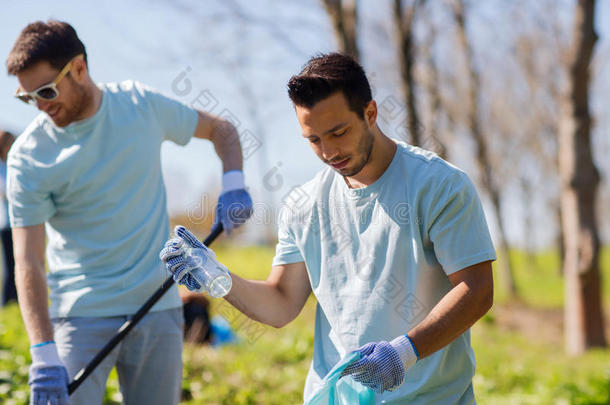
269	365
539	279
514	370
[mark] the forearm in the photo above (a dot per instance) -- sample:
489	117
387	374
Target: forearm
225	138
33	300
457	311
260	300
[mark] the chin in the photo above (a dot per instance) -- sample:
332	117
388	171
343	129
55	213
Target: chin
60	123
61	120
350	171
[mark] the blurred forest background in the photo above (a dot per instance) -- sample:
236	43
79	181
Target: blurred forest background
513	91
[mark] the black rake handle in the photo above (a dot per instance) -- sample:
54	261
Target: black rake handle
130	323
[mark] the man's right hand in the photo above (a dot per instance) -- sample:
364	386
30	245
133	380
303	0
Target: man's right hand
48	376
177	262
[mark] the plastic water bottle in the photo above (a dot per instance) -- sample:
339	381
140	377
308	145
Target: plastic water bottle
212	275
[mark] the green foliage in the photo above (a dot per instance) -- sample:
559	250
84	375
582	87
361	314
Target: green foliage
539	279
14	357
269	365
514	370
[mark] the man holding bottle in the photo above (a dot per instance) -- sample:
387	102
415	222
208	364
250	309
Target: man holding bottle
392	241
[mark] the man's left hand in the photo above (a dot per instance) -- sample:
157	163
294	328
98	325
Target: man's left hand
383	364
234	204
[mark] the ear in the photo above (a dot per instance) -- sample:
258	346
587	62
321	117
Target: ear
79	69
370	113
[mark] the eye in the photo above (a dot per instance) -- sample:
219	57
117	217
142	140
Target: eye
341	133
314	140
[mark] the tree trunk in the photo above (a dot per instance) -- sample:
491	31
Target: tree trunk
406	44
560	242
482	150
435	103
343	14
583	310
543	77
529	224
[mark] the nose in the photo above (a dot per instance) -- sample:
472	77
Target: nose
42	105
328	151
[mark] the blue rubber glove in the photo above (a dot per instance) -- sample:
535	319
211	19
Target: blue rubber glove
234	204
175	259
383	364
48	376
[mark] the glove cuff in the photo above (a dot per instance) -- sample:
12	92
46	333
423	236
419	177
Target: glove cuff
45	354
233	180
406	350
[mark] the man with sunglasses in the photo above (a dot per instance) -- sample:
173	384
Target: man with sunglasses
87	170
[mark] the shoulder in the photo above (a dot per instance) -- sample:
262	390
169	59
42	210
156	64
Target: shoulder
132	97
141	95
127	89
421	159
35	139
426	170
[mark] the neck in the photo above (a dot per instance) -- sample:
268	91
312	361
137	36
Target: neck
382	154
93	99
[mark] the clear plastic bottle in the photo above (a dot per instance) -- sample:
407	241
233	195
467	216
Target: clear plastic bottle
212	275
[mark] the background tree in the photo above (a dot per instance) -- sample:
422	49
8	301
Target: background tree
344	17
579	182
436	138
482	152
404	18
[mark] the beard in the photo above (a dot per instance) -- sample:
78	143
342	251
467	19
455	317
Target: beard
73	108
362	155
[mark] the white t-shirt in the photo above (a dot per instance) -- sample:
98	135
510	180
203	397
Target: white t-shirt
378	259
98	187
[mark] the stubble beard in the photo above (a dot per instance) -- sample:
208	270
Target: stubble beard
75	107
364	151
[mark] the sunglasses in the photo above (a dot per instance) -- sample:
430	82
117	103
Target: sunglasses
47	92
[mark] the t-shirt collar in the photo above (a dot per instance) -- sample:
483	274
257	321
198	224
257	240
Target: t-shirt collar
79	126
363	192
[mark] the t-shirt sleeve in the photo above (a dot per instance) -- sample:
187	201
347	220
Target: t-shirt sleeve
457	226
28	201
286	250
176	120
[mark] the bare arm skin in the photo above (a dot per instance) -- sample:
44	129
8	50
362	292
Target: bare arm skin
225	138
31	282
469	299
279	299
275	301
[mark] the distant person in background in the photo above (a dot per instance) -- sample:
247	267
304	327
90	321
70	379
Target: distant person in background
196	310
9	292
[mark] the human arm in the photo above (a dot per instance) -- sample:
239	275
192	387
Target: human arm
384	364
234	203
469	299
179	123
31	282
223	136
48	376
275	301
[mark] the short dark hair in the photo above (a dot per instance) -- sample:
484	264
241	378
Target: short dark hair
326	74
54	41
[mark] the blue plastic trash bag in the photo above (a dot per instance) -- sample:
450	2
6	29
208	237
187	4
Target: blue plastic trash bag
221	332
342	391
